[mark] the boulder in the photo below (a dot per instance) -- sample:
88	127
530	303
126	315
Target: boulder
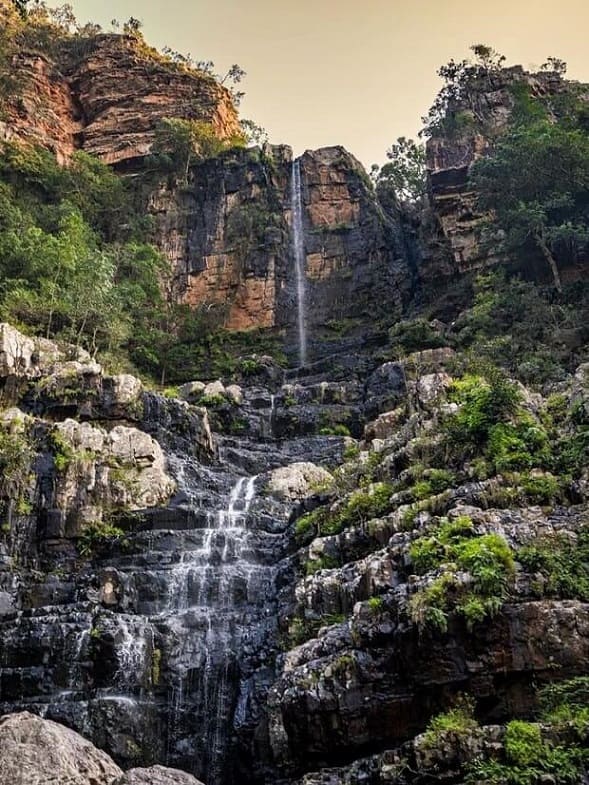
157	775
297	480
214	388
235	394
191	391
37	751
127	388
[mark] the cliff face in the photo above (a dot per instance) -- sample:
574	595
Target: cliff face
227	229
457	242
106	95
228	233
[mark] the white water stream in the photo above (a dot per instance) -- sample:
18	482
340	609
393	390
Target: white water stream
300	258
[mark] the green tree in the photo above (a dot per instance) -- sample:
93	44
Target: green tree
456	96
536	183
405	175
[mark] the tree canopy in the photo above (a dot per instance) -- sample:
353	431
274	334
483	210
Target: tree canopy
536	182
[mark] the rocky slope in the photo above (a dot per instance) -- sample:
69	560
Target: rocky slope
222	633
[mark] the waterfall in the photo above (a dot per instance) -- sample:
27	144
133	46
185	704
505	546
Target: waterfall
298	236
210	609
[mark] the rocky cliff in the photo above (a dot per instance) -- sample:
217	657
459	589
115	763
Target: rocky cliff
106	95
228	232
458	239
233	610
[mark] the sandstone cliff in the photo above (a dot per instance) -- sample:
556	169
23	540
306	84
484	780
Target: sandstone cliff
228	233
106	95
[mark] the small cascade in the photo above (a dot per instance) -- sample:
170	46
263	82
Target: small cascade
298	236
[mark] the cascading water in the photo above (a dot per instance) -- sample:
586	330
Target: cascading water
215	589
299	257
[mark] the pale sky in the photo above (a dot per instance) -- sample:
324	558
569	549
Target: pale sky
357	73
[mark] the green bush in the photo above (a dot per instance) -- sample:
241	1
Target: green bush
563	564
529	759
98	535
458	722
322	563
542	489
335	430
453	546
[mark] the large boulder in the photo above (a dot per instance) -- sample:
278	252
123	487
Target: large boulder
297	480
157	775
36	751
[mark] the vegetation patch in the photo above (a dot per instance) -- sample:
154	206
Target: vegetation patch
453	548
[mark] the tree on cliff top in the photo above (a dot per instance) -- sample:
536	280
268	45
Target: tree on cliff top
453	97
536	182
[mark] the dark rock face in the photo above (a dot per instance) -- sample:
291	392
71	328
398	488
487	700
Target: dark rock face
176	646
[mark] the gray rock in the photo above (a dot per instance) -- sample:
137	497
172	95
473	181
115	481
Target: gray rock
37	752
297	480
157	775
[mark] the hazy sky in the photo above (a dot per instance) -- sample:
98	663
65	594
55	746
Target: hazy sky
354	72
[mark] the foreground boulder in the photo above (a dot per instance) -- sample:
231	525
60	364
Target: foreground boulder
157	775
37	751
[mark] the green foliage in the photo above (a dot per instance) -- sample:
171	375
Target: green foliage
453	546
179	144
16	457
414	336
63	452
566	705
307	525
335	430
484	402
97	536
562	562
529	758
458	722
517	325
405	176
433	481
542	489
376	604
535	182
322	563
454	109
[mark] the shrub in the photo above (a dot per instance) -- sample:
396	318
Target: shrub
453	546
563	564
322	563
459	722
63	452
375	604
542	489
335	430
97	536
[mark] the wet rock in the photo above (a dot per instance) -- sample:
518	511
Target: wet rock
40	751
